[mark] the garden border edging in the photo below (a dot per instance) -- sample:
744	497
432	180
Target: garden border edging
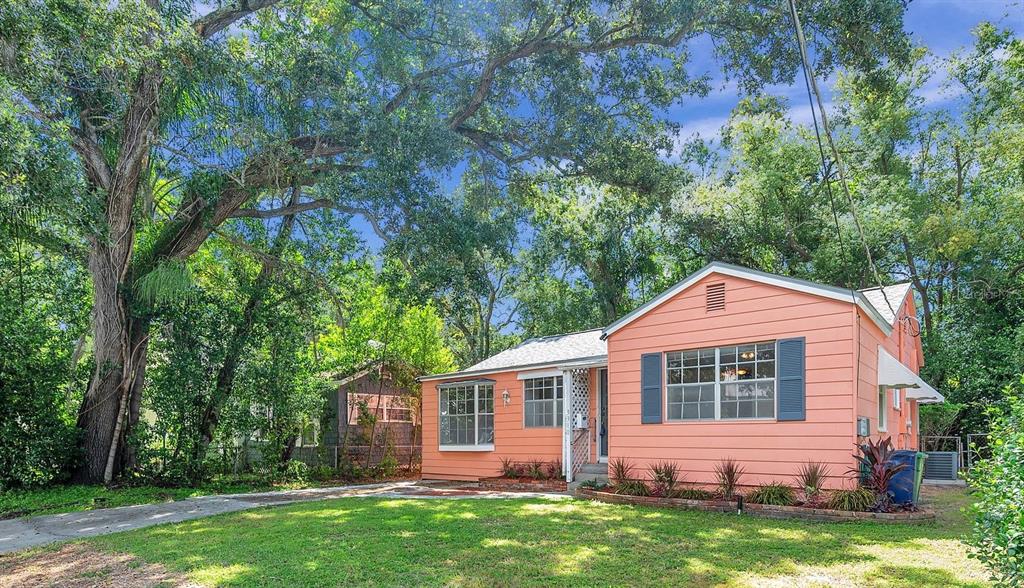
761	510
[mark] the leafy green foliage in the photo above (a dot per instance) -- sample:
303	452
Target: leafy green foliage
620	470
875	469
998	481
728	472
774	493
692	494
811	477
665	478
856	499
633	488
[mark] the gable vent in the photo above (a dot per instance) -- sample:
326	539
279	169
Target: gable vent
716	297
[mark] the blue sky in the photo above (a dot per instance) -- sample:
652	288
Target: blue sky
943	26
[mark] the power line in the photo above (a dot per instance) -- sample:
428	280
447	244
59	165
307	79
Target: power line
809	78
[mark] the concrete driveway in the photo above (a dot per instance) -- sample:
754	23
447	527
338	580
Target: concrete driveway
17	534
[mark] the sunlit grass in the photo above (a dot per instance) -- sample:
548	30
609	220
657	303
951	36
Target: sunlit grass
365	541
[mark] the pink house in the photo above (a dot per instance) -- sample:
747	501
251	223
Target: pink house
729	363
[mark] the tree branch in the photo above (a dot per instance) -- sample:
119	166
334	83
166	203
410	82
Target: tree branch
220	19
284	210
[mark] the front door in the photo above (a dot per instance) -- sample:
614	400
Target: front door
602	429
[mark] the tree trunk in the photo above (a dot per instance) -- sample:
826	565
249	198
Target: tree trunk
111	404
240	339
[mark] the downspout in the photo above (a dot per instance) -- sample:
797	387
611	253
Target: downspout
566	425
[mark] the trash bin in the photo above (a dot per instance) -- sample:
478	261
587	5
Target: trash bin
905	486
919	463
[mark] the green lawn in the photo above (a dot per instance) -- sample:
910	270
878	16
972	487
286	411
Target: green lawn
357	541
71	498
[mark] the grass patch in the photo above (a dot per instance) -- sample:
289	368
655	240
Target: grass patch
72	498
364	541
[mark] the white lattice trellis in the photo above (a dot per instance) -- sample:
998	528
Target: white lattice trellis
578	425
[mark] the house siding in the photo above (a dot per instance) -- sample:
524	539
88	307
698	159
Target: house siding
905	346
768	450
511	439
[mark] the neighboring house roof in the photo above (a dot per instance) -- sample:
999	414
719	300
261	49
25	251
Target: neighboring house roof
368	368
833	292
887	300
539	352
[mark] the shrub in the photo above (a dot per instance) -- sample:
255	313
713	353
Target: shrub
536	470
509	468
632	488
620	470
592	484
692	494
811	478
388	466
858	499
875	469
775	493
664	478
998	481
554	469
321	472
728	471
296	471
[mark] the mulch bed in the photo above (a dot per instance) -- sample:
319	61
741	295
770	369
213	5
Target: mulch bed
761	510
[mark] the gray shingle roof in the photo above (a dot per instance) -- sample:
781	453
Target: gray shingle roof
894	294
540	351
568	347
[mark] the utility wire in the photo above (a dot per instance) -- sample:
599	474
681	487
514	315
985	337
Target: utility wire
809	77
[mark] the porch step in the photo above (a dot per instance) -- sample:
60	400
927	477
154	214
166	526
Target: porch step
594	468
584	477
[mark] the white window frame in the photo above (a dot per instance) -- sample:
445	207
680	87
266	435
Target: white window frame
476	446
558	383
719	383
883	410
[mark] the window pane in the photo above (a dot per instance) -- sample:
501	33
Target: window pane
675	376
746	352
766	351
707	374
486	430
746	409
766	369
689	375
728	354
673	360
690	411
689	358
675	412
674	394
745	371
542	401
707	409
729	410
707	356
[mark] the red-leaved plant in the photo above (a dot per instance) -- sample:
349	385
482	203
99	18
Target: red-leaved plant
874	468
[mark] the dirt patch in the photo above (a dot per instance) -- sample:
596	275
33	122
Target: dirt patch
80	566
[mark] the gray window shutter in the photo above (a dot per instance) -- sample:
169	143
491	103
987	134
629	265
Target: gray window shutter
650	388
791	381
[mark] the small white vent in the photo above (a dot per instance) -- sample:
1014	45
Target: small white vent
716	297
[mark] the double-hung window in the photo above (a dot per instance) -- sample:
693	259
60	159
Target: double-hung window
467	415
542	402
734	382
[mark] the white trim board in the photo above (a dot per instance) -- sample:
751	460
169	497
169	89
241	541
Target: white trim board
717	267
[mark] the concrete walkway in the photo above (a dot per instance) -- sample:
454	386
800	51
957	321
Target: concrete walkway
16	534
